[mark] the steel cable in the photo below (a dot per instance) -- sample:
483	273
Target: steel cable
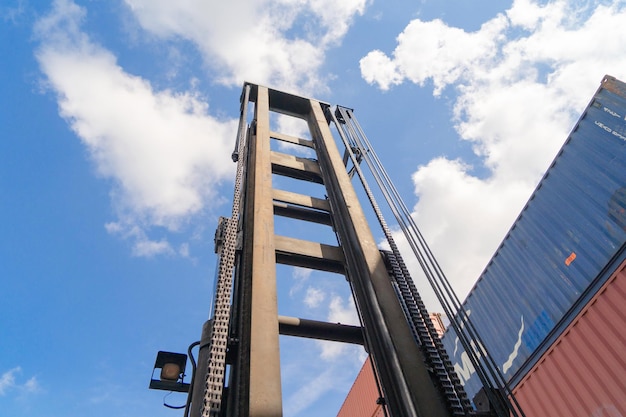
355	140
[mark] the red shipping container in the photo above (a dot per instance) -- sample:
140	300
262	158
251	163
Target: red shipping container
584	372
361	400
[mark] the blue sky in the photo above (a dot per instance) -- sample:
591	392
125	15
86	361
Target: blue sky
117	120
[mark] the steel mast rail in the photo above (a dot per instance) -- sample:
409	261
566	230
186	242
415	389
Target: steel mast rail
415	310
217	331
238	372
356	143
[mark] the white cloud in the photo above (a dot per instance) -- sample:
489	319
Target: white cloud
312	382
300	277
162	150
301	274
143	246
378	68
340	311
314	297
8	382
149	248
13	14
462	230
307	394
31	385
254	40
295	127
432	50
312	391
522	80
335	17
183	250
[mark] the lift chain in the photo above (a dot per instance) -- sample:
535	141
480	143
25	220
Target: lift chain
219	337
417	316
424	332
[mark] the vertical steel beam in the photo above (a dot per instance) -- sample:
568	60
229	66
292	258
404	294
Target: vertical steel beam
255	386
406	383
265	397
202	367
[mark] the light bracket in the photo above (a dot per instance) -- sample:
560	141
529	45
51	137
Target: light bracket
166	362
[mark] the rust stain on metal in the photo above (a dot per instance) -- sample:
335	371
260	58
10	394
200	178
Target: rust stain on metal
614	86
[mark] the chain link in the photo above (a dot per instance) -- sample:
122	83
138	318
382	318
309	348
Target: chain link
219	338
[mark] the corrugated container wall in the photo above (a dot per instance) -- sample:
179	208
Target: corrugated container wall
584	372
361	400
561	249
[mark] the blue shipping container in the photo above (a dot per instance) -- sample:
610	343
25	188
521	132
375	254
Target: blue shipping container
565	243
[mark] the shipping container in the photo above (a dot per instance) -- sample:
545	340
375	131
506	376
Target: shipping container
562	248
584	372
437	320
361	401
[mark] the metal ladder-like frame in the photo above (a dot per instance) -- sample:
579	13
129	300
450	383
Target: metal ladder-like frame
246	325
